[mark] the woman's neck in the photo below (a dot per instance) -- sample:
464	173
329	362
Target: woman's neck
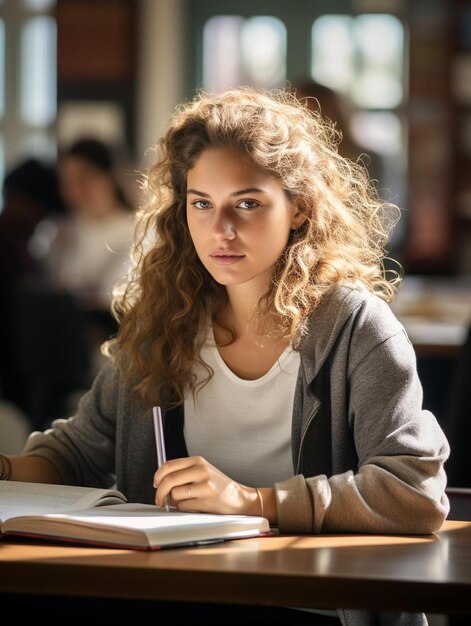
242	304
257	344
242	312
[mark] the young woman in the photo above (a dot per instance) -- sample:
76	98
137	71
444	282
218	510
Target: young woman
257	318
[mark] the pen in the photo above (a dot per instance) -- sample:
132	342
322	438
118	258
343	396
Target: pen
160	444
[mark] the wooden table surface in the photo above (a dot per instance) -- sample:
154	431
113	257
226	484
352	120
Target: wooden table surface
430	573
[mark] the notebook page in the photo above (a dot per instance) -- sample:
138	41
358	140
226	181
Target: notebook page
21	498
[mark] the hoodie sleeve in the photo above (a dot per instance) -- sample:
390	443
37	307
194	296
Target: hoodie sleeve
399	486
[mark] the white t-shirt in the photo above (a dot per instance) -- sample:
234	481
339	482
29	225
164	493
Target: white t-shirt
243	427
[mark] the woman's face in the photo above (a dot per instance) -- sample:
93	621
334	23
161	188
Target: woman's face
239	218
86	190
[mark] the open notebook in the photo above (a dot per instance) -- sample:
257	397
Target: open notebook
103	517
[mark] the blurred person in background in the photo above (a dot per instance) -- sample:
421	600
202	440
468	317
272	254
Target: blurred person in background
90	249
30	194
333	106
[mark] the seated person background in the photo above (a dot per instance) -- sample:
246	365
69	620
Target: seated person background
88	251
333	106
30	194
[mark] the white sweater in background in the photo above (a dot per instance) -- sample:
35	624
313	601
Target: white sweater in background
87	257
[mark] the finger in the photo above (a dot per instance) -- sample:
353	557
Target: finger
171	466
190	491
175	465
194	474
195	505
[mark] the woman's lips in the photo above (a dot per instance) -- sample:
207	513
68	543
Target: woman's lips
226	259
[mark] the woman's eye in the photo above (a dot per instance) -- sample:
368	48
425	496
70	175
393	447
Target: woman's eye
248	204
201	204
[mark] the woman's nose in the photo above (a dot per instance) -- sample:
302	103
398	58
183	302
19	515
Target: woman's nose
224	227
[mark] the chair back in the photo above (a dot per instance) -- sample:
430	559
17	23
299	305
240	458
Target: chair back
460	503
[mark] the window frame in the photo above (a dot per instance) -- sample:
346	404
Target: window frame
14	130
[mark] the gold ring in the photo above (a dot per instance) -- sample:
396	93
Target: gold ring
189	491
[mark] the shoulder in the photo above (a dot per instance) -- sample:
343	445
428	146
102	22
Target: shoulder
370	327
354	305
107	383
357	302
351	318
370	313
110	395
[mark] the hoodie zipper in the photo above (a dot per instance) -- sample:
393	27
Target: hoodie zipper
303	435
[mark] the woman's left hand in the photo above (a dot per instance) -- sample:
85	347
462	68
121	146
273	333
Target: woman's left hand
193	484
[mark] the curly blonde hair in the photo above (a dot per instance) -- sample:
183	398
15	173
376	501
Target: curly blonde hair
170	295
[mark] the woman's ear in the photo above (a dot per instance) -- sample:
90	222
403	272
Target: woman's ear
298	219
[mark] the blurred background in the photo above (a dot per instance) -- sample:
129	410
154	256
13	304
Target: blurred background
87	87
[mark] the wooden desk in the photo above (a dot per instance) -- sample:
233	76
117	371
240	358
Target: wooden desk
430	573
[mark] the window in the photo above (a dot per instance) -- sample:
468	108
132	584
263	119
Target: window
362	57
38	75
27	81
239	51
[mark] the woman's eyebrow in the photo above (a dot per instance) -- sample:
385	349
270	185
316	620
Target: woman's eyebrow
197	193
234	193
248	190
